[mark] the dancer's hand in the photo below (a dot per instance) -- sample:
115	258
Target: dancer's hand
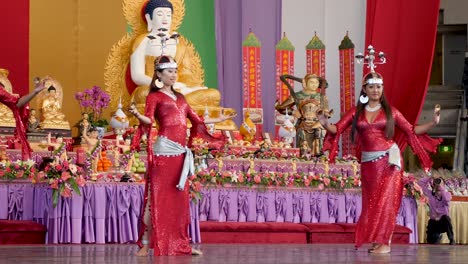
133	110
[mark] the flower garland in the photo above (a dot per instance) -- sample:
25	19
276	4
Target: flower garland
320	181
17	170
90	157
124	159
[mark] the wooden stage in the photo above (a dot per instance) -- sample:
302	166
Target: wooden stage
235	253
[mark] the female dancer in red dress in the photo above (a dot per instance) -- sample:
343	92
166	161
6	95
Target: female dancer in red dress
20	109
373	121
167	192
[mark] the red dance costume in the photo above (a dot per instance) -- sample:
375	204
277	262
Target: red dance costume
21	117
382	185
169	207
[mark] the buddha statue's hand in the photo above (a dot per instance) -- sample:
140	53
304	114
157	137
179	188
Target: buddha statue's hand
226	117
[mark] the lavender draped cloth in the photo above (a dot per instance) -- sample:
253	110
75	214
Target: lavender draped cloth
108	212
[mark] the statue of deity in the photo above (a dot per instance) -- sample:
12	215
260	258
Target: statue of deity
33	121
152	36
6	115
94	151
50	102
308	102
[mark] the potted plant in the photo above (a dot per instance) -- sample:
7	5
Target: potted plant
92	102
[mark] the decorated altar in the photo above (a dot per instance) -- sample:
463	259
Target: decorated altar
108	212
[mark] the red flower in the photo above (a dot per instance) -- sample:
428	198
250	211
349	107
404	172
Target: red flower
58	167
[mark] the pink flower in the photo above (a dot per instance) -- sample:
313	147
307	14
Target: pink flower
257	179
241	178
65	176
2	173
80	181
20	174
40	175
54	184
307	182
66	192
326	181
321	186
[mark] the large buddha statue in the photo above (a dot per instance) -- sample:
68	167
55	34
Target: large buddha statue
50	104
154	35
6	115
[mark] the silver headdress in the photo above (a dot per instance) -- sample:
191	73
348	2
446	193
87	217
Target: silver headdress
369	59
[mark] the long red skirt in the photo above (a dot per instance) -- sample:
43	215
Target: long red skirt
382	191
169	208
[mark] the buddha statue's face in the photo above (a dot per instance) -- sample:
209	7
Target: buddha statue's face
127	142
52	93
162	18
59	140
85	116
32	113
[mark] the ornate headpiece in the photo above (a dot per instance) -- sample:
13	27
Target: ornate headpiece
369	59
165	62
373	80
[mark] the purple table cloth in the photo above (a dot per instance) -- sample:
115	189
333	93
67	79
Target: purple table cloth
294	205
108	212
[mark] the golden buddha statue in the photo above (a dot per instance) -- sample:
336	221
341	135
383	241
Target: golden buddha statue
6	115
50	105
131	62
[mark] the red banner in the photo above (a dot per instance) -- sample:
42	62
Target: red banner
284	65
347	90
252	81
315	62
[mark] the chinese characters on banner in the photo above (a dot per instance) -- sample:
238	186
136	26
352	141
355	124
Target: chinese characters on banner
347	89
251	81
284	65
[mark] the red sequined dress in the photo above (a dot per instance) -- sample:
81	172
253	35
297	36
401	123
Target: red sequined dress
21	116
382	185
169	207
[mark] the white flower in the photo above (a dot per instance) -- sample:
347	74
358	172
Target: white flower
73	168
234	177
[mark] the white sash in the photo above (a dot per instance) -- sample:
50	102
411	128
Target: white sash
167	147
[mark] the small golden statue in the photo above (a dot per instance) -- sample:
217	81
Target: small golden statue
154	35
248	128
6	115
50	103
33	121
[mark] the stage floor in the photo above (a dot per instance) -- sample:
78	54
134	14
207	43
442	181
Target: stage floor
235	253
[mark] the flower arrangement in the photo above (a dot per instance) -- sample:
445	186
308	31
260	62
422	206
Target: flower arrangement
412	189
93	101
320	181
17	170
63	177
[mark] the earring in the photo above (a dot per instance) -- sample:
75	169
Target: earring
363	99
158	83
